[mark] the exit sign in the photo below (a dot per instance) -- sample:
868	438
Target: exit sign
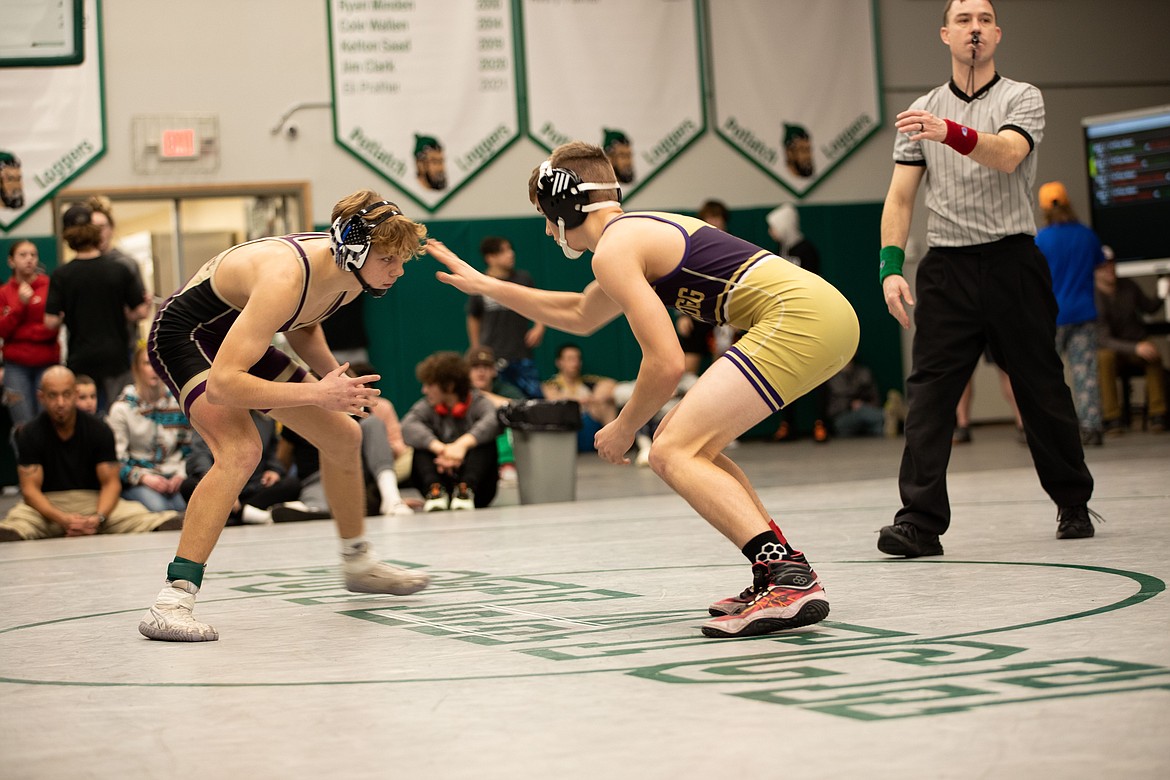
179	144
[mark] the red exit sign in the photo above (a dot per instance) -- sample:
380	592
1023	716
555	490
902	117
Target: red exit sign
179	144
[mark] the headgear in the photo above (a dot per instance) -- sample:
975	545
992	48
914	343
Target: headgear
563	199
351	237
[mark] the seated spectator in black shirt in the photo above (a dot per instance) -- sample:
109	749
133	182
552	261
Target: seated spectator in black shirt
853	402
1124	345
69	474
384	468
268	486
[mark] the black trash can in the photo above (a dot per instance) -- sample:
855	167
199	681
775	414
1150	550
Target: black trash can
544	440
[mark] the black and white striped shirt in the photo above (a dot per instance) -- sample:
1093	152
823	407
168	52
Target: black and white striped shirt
970	203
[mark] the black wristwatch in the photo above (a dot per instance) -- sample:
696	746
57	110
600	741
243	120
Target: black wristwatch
101	518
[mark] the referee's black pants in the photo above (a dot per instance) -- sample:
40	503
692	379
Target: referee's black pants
998	295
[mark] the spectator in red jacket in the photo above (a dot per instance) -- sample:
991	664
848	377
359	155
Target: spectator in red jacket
29	346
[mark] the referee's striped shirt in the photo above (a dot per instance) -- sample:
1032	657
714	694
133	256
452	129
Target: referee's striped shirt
970	203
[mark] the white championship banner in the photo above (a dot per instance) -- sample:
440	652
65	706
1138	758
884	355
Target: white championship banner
424	91
53	126
795	83
624	75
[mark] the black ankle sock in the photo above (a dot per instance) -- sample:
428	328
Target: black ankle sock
764	548
767	548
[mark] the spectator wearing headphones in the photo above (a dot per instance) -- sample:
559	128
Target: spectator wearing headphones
453	430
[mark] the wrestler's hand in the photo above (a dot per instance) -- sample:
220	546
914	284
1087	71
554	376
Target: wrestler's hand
459	274
339	392
613	442
895	290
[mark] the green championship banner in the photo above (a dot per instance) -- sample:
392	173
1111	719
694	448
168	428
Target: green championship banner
795	83
53	128
627	76
424	91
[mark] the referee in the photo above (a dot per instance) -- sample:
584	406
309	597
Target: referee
981	283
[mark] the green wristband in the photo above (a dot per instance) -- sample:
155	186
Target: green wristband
892	259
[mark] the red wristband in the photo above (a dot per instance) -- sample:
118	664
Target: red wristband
960	137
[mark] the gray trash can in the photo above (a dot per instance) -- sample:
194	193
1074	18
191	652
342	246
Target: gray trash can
544	440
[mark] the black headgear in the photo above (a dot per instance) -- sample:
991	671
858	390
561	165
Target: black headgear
563	197
351	237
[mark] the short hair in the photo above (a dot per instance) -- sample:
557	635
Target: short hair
446	369
714	208
85	379
947	10
589	162
399	236
492	245
567	345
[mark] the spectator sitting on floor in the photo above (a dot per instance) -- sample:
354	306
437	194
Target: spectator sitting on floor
594	393
486	379
453	430
386	459
152	438
268	486
86	394
69	474
853	402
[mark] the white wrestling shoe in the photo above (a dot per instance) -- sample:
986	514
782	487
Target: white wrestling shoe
366	574
171	618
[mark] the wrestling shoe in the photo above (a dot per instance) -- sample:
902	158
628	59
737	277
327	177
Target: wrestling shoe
366	574
790	598
908	541
462	497
1072	522
733	604
436	499
171	618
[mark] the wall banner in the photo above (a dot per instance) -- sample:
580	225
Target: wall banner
424	93
54	126
625	76
779	99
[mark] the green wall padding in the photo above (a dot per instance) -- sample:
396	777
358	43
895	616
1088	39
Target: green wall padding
421	315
